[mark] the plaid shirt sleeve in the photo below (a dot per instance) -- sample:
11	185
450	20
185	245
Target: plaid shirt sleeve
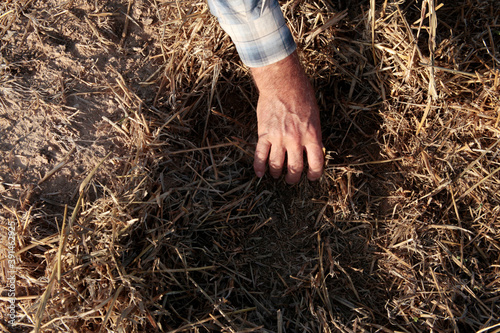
257	28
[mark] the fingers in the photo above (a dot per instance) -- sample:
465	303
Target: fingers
276	160
315	159
295	164
260	158
295	160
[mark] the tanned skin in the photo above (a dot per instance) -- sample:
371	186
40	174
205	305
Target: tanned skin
288	121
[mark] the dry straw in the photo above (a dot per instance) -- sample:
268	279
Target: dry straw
402	234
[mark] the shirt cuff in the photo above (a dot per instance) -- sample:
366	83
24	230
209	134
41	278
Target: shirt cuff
259	31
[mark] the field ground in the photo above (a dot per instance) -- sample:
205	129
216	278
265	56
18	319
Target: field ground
126	146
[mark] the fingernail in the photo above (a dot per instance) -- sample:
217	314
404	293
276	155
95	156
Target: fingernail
259	174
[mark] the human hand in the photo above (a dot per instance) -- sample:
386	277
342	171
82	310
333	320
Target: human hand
288	121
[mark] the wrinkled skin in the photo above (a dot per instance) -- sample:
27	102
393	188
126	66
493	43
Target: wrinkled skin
288	121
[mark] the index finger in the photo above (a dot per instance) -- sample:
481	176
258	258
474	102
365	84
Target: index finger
315	159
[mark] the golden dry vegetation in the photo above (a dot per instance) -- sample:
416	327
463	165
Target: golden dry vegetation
127	138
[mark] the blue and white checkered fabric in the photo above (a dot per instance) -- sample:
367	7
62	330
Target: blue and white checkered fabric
257	28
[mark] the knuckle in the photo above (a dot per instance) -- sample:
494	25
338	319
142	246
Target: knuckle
260	157
293	137
275	166
295	168
315	172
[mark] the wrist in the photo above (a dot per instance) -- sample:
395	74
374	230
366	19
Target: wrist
284	75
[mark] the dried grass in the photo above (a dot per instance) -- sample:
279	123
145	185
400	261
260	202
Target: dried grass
402	234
